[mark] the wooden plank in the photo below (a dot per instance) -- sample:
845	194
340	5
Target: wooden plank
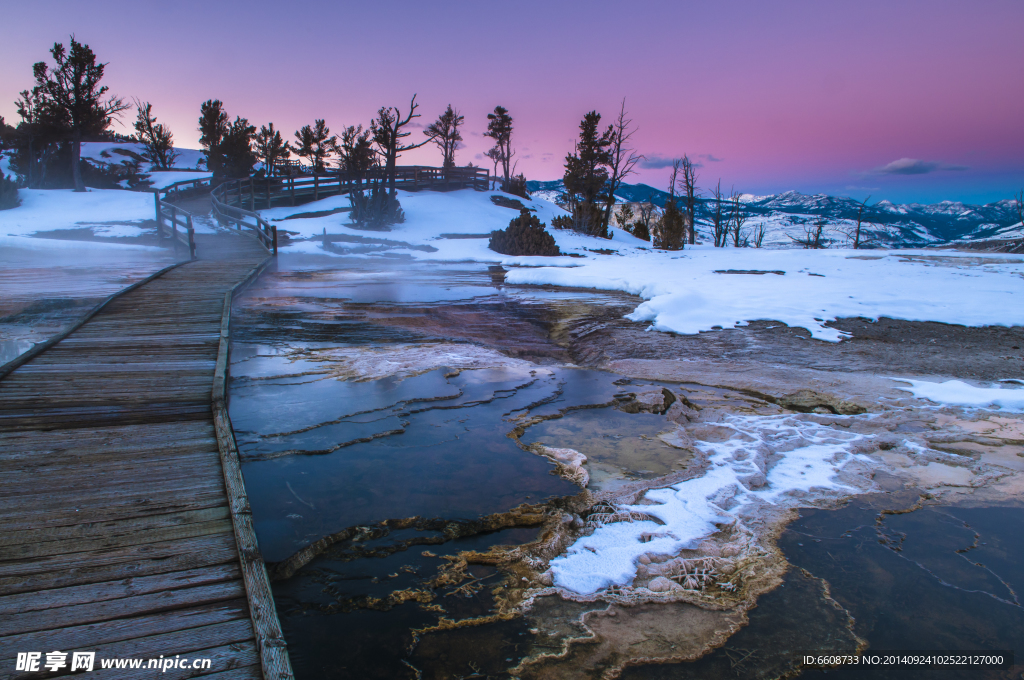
82	545
219	555
92	612
132	554
113	590
91	636
64	516
114	528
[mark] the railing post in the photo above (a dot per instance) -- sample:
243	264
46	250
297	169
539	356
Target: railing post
316	187
252	194
275	238
191	239
159	216
291	187
174	222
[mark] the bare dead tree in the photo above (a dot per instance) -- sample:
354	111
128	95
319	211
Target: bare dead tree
758	234
647	218
495	154
719	223
738	218
860	218
622	160
388	134
813	236
689	191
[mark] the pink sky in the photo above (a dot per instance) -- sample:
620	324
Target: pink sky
808	95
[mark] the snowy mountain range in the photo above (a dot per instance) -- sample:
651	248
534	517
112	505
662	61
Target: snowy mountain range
789	215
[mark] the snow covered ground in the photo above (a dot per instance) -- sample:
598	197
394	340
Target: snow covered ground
700	288
100	210
115	152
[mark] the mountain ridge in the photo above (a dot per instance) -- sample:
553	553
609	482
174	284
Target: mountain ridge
885	223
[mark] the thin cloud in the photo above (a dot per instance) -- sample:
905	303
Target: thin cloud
914	166
656	162
851	187
710	158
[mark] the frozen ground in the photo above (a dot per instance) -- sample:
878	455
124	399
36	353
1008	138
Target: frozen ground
697	289
104	212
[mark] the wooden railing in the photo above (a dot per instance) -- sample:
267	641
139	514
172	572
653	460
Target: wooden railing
185	188
168	218
227	208
237	201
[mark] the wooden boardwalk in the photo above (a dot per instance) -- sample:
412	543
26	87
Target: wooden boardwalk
117	532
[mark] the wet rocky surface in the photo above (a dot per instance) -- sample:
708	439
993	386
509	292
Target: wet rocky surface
403	429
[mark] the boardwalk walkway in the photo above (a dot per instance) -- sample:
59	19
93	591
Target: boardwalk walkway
117	536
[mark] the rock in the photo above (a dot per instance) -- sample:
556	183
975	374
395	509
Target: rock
730	550
546	578
809	401
660	585
644	559
655	400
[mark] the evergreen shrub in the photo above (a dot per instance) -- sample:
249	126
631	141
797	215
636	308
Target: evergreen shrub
525	235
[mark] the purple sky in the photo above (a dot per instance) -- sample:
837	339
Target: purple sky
910	101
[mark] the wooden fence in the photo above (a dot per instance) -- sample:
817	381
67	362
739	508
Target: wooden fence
237	201
168	218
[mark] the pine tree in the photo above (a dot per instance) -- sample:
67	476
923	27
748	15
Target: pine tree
444	132
499	128
586	176
213	127
356	154
671	235
71	91
271	148
155	137
236	150
317	144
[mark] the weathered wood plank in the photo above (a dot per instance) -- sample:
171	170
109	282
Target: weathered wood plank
91	636
82	545
114	528
131	554
113	590
213	556
92	612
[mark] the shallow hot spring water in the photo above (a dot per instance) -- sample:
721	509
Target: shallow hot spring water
347	414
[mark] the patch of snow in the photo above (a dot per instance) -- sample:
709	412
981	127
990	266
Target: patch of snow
43	210
774	460
118	231
960	393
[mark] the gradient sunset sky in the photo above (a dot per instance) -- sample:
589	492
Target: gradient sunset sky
909	101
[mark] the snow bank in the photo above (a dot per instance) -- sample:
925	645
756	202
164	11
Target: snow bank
962	394
772	460
107	152
686	293
47	210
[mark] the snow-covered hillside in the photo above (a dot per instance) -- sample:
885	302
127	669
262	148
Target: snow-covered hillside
115	152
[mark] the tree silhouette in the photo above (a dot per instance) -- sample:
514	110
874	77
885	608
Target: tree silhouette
72	92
